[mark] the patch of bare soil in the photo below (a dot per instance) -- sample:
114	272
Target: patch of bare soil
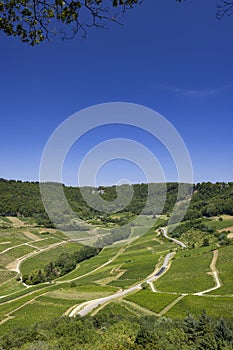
17	222
13	265
50	230
214	260
31	236
227	229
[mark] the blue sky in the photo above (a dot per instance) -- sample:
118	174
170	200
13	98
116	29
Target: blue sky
174	58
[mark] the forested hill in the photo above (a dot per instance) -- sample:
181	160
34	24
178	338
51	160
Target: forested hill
23	199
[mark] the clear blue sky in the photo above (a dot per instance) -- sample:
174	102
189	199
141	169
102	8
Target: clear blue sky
174	58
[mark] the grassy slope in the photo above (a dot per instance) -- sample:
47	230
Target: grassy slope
215	307
188	272
225	267
41	259
155	302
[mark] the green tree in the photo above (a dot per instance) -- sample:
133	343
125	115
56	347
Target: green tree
190	328
50	271
206	332
225	8
223	333
33	21
205	242
36	20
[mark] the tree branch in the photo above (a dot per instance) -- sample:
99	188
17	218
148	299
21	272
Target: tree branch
225	8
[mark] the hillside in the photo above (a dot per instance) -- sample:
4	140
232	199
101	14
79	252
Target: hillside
127	294
19	198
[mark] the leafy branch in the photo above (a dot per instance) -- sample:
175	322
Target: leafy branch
33	21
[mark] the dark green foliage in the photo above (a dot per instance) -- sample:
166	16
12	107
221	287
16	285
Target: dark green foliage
192	224
213	199
223	331
23	199
112	330
206	242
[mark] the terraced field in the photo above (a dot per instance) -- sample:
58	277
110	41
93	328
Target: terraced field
36	310
155	302
227	221
214	306
89	266
117	267
39	260
225	267
188	273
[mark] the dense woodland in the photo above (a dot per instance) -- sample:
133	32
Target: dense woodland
113	329
19	198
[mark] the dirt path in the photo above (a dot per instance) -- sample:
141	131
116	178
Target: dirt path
21	244
139	308
15	265
10	248
214	273
214	260
169	306
6	319
152	287
229	228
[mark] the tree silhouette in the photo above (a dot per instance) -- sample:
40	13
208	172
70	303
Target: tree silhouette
33	21
224	8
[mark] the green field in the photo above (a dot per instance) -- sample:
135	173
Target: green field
6	275
84	292
219	224
4	219
117	309
5	259
225	267
214	306
155	302
139	261
11	238
20	251
89	265
133	264
39	260
45	242
36	311
10	286
188	273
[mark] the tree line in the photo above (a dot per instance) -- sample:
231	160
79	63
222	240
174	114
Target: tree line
19	198
64	264
112	329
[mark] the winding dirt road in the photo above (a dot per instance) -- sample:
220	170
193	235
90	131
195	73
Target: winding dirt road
214	273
